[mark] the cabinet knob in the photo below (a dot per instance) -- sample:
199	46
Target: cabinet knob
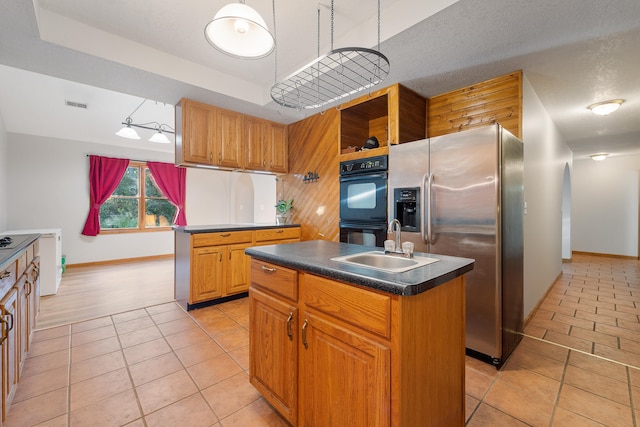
225	235
268	269
211	156
5	274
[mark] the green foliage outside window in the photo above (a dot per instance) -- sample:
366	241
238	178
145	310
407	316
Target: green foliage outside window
122	209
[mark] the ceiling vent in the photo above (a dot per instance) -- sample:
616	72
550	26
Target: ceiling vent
75	104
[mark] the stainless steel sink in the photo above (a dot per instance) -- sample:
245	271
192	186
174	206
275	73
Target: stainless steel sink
379	261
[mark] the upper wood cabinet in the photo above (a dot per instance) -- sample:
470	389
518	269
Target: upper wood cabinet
206	135
228	138
266	145
212	136
393	115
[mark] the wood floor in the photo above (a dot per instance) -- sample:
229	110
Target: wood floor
96	291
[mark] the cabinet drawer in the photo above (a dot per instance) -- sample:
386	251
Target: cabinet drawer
277	234
215	239
274	278
359	307
7	277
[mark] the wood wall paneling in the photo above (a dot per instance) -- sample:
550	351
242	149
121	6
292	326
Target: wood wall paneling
412	111
313	148
497	100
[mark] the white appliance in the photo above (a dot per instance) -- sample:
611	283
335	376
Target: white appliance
50	257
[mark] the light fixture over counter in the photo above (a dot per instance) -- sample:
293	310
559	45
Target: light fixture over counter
599	157
605	108
239	31
159	136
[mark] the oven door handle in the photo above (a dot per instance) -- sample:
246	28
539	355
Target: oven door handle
363	177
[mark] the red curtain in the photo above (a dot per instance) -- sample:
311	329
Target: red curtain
172	181
105	173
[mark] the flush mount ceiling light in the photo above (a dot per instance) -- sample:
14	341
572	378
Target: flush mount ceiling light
599	157
337	75
606	107
129	132
238	30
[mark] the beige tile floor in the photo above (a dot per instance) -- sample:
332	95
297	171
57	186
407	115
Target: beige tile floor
160	366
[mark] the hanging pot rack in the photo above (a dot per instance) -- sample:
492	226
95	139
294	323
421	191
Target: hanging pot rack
332	77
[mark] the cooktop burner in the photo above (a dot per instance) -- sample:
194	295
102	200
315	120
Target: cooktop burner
11	242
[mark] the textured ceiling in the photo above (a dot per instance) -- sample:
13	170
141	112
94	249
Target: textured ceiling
112	54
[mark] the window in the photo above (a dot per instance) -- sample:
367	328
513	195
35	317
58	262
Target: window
137	204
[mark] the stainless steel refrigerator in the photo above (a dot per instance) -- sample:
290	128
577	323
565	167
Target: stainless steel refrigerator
462	194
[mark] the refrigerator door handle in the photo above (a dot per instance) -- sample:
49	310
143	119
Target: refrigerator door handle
429	213
426	232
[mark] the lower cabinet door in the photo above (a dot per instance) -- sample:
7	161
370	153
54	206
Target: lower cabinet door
10	350
335	361
237	269
273	368
206	270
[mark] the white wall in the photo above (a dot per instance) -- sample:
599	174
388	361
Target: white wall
545	157
605	205
49	188
3	176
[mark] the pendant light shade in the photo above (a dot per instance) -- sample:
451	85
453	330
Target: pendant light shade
238	30
160	138
127	131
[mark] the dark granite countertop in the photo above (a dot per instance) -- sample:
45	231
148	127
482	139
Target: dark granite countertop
11	252
314	256
195	229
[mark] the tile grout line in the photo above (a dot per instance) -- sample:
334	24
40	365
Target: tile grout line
557	400
580	351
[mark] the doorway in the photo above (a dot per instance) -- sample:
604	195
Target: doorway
566	214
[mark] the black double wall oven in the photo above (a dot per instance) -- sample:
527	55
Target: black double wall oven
363	201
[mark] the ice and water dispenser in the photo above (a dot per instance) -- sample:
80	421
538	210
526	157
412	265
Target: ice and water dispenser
407	208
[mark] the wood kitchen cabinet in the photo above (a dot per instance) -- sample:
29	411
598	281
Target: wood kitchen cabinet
210	266
266	145
212	136
19	307
364	357
228	144
10	347
207	135
274	346
394	115
218	265
321	356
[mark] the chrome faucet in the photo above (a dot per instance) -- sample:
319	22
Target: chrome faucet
396	223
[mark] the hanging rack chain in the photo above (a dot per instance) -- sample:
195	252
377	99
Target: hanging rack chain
378	25
331	24
275	48
137	108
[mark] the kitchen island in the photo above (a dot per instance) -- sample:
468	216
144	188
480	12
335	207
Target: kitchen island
337	344
210	264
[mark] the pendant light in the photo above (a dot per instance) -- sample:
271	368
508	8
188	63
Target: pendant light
129	132
239	31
